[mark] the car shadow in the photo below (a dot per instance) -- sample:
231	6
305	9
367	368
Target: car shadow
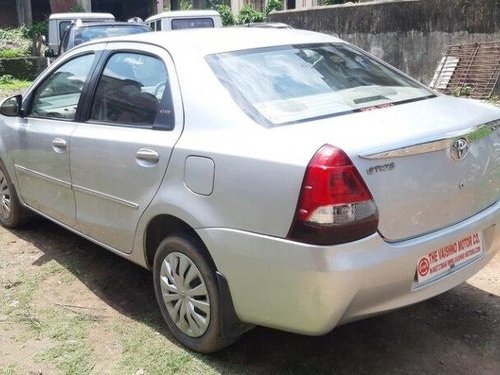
457	332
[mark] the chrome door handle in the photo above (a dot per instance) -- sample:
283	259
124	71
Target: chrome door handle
147	155
59	145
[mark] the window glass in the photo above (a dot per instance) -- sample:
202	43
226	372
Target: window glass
158	25
133	90
303	82
64	43
58	95
62	27
85	34
191	23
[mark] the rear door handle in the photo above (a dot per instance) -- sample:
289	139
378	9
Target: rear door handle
59	145
147	155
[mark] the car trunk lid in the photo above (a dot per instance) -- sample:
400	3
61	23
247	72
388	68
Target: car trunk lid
428	164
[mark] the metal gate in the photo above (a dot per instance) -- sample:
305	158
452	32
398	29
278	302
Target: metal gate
469	70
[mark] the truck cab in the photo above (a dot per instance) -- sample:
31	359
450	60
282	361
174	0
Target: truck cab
184	19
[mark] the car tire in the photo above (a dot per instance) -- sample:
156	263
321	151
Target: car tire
12	212
188	294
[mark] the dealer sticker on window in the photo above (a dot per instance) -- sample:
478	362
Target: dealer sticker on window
442	259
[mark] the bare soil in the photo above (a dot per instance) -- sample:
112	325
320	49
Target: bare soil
59	289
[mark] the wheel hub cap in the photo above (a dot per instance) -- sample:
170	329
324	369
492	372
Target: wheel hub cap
5	199
185	294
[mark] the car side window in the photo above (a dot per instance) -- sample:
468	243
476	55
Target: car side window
158	25
133	90
57	97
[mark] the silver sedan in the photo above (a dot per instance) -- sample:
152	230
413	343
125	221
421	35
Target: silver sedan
279	178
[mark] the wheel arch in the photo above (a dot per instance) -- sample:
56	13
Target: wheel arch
164	225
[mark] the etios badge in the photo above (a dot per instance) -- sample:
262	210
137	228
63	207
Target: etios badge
459	149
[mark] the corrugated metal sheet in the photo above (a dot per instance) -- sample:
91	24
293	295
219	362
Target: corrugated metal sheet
469	70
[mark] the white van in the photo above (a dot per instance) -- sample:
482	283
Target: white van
184	19
59	21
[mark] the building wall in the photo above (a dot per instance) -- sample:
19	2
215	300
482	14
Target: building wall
409	34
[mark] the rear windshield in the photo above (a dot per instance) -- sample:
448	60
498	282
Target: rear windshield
191	23
86	34
289	84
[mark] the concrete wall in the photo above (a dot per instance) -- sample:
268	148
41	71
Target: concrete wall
412	35
27	68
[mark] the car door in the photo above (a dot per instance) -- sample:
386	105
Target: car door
120	154
41	158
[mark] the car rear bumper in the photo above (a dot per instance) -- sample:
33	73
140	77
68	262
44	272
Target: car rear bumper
310	289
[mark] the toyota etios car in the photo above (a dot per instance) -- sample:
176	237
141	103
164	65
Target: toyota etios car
280	178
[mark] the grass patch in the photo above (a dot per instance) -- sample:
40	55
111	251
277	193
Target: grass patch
144	348
67	327
71	357
10	86
18	292
9	370
70	353
8	82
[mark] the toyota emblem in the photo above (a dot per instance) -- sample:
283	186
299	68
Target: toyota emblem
459	149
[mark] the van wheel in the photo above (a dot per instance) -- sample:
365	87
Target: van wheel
12	213
188	294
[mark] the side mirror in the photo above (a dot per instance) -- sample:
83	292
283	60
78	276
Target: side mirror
12	106
50	53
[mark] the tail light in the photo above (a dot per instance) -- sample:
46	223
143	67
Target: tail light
335	205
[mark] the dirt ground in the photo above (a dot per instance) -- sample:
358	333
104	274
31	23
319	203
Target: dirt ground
69	306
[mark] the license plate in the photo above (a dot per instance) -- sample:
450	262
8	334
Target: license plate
439	261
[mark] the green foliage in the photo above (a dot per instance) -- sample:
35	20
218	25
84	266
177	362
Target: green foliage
13	43
6	79
463	91
186	4
10	53
37	29
272	5
227	16
248	15
494	99
77	9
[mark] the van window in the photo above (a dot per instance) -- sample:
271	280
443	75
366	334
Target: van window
158	25
62	28
191	23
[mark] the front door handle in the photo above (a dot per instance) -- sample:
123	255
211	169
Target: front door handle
147	156
59	145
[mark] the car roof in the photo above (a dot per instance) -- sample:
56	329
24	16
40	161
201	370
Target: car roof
71	16
107	24
184	13
207	41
